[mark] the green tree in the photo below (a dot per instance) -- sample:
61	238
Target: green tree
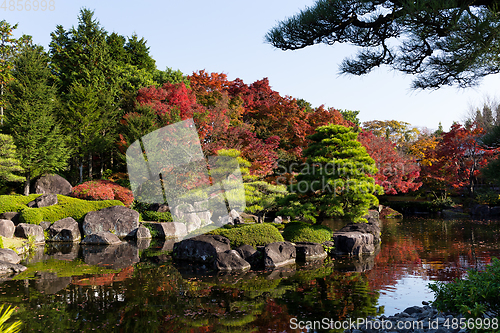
30	118
88	81
335	180
9	164
8	48
441	42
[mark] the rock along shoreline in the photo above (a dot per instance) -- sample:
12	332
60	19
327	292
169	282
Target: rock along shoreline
418	319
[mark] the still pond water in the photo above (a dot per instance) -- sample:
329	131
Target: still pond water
65	290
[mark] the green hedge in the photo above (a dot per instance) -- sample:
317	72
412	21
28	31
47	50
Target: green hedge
304	232
251	234
156	216
66	207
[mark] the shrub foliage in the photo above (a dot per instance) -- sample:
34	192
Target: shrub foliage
304	232
103	190
474	297
251	234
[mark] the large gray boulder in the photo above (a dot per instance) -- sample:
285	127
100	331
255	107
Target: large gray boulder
166	230
7	228
24	230
102	238
120	220
230	261
65	230
8	255
202	249
54	184
310	251
353	243
279	254
45	200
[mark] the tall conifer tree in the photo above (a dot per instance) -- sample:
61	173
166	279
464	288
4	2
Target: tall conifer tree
30	118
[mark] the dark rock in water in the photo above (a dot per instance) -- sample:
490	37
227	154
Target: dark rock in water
353	243
8	255
279	254
54	184
62	251
230	261
370	228
111	256
65	230
7	228
24	230
13	216
202	249
50	283
102	238
251	255
10	268
165	230
310	251
480	211
358	264
120	220
44	200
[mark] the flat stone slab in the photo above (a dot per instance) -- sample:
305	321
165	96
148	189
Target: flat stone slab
165	230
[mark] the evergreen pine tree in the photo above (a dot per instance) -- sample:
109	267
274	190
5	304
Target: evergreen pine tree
9	165
335	181
30	119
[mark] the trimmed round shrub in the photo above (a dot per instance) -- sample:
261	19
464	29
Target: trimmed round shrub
103	190
304	232
251	234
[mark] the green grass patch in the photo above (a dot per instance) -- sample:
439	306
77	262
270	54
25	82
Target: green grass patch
12	243
66	207
251	234
304	232
62	268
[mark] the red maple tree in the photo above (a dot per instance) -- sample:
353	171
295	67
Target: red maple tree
397	173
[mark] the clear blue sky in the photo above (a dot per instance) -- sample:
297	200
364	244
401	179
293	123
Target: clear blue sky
228	36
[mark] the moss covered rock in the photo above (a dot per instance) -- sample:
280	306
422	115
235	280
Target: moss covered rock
304	232
66	207
251	234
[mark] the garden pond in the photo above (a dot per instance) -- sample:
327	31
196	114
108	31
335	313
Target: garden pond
124	289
